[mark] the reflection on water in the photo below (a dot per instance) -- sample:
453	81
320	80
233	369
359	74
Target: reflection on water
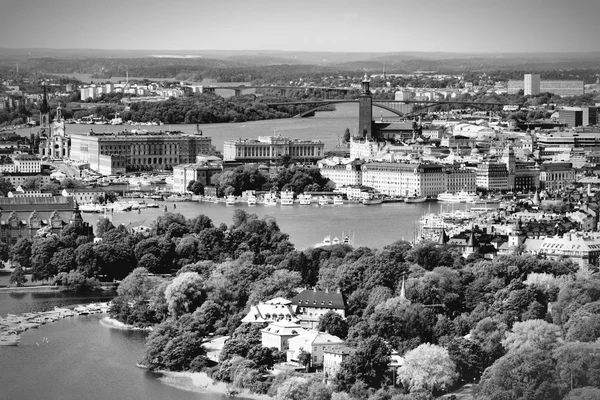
18	303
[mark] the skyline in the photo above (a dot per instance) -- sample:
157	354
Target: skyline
381	26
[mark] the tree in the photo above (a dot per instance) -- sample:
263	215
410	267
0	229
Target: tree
184	294
18	276
526	374
294	388
368	364
20	252
347	135
584	325
5	186
467	357
196	187
584	393
535	333
304	358
578	364
427	368
4	252
334	324
104	225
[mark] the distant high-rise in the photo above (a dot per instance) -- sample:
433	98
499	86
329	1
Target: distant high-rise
531	84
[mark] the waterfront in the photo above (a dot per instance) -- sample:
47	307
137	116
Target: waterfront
372	226
77	358
326	126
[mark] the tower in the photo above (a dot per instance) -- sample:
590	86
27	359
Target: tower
365	110
45	113
76	218
508	157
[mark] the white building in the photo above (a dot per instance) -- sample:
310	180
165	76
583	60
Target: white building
278	309
313	342
278	334
344	173
27	163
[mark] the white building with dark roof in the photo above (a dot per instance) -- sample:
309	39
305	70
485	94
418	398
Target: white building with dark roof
313	342
312	304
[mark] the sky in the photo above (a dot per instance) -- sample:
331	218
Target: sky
304	25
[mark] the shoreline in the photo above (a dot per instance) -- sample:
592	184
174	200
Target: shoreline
112	323
200	382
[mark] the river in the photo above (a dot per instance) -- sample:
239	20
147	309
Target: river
77	358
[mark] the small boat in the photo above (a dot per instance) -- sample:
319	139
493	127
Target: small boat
460	197
251	200
270	199
415	199
323	200
338	201
305	199
287	198
372	201
9	340
230	200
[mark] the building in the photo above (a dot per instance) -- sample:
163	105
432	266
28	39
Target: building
578	116
555	176
199	172
23	217
271	149
332	359
342	174
27	163
54	142
393	179
19	179
109	153
278	334
313	342
278	309
531	84
310	305
492	176
365	111
460	179
84	196
582	249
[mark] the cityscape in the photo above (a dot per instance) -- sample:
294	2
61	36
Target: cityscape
321	215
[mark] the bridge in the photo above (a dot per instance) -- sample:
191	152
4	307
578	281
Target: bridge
238	89
402	108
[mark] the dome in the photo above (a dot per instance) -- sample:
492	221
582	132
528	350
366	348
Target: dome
474	151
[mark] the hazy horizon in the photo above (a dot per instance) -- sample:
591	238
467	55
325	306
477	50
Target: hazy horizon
347	26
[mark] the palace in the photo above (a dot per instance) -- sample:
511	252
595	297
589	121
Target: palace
270	148
110	153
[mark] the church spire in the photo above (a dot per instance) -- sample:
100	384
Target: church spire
44	109
403	298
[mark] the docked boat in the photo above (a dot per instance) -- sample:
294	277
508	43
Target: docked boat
287	198
230	200
270	199
91	208
151	205
460	197
9	340
323	200
304	199
372	200
251	200
415	199
338	201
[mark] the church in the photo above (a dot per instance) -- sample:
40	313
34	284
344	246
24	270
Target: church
54	142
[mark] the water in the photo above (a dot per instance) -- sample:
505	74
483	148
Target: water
372	226
326	126
18	303
77	358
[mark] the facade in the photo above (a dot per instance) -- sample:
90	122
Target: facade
18	179
582	249
313	342
200	172
310	305
278	334
131	151
554	176
84	196
492	176
54	142
531	84
271	148
578	116
27	163
274	310
332	359
526	177
349	174
460	179
23	217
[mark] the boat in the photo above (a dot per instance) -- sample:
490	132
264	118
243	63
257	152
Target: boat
305	199
460	197
152	205
270	199
415	199
326	242
287	198
338	201
323	200
230	200
10	340
372	200
251	200
91	208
